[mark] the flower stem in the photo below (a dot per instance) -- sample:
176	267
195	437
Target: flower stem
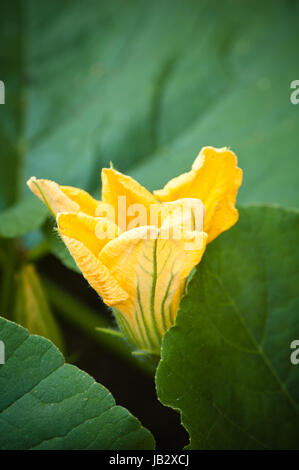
87	320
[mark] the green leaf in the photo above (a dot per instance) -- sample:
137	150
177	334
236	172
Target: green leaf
226	363
22	217
32	309
132	83
230	86
47	404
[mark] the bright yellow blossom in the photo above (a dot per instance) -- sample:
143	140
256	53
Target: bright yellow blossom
137	249
215	180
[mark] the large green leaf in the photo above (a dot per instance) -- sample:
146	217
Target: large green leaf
47	404
146	85
226	364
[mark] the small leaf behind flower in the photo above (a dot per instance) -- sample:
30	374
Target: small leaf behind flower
31	306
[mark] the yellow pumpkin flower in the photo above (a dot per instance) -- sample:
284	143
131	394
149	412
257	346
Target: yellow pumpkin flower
137	249
215	180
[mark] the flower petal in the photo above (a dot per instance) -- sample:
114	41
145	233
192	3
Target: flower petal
63	198
51	194
86	202
153	272
214	179
91	267
93	232
188	214
115	185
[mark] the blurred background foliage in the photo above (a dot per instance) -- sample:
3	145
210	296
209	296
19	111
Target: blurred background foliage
144	85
